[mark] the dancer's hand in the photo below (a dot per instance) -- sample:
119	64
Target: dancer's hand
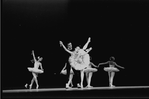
32	51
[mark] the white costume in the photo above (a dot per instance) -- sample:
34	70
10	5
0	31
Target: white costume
35	68
80	61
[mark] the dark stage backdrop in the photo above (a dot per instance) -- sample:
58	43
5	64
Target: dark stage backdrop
117	28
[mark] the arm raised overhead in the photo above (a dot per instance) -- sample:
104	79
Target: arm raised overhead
61	44
33	55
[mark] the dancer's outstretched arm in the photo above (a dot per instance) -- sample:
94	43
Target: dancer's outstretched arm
85	46
93	64
61	43
118	66
33	55
103	63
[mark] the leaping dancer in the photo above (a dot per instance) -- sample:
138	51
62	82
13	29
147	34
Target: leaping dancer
35	70
111	69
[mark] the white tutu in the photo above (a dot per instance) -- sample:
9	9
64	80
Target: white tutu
35	70
111	69
89	69
80	63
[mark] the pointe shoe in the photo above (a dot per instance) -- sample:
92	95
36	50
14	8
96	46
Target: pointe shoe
112	86
81	86
30	86
67	86
78	85
89	86
26	85
37	86
71	85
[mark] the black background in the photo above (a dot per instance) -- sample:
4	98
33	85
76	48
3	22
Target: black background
117	28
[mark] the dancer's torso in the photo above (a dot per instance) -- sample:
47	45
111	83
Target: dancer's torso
36	64
111	64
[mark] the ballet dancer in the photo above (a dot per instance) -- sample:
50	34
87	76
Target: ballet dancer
89	72
35	70
111	69
75	60
74	54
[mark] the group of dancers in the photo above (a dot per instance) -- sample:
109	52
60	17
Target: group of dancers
78	61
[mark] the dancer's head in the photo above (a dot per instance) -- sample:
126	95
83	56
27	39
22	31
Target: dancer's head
40	58
77	48
112	58
69	46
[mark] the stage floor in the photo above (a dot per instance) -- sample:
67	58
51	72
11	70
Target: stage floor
72	89
95	92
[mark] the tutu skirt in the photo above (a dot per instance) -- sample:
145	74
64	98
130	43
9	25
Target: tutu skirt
111	69
34	70
89	69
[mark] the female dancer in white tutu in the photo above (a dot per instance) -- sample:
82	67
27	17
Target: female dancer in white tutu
89	72
79	59
111	69
35	70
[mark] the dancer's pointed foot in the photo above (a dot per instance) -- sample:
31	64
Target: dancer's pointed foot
89	86
78	85
37	86
112	86
30	86
67	86
26	85
81	86
71	85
